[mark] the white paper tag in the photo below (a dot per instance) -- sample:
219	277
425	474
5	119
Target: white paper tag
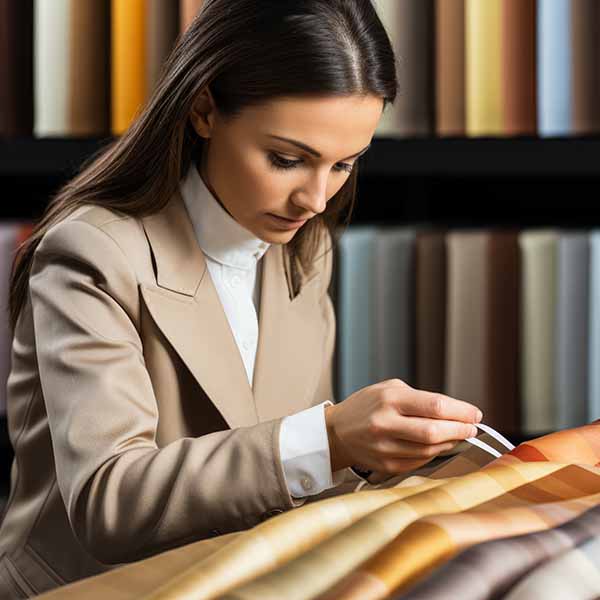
497	436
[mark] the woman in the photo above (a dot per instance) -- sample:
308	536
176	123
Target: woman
158	275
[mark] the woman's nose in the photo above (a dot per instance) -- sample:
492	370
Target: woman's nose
313	202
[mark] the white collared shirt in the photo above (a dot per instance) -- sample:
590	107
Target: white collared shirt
233	257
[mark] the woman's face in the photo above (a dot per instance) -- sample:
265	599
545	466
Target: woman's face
254	173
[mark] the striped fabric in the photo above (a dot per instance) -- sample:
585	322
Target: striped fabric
422	522
574	575
460	512
492	568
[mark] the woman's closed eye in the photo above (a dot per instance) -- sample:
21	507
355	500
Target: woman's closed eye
278	162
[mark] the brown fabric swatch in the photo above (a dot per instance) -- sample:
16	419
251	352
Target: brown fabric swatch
450	67
519	67
16	68
415	66
482	360
430	310
188	9
161	32
89	74
585	20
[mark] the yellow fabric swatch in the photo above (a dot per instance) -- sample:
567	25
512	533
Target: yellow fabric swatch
128	64
483	19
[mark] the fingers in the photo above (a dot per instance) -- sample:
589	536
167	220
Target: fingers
394	448
424	430
437	406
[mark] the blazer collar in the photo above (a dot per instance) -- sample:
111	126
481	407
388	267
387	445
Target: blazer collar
185	306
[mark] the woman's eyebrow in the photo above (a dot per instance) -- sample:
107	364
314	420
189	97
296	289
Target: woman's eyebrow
312	150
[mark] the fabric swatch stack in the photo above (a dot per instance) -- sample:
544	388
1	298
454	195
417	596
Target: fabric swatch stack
74	69
494	68
471	68
520	526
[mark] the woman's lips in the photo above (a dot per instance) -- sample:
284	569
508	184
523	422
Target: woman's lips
286	223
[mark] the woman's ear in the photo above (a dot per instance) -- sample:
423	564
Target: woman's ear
202	113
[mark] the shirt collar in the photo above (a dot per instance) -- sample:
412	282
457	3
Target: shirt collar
219	235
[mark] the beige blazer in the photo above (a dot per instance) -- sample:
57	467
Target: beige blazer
134	427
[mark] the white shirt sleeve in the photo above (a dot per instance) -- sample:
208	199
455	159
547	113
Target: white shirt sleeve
304	448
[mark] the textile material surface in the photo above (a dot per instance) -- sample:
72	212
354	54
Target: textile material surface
377	541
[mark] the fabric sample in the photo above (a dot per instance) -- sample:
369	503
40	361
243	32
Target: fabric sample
483	73
410	26
394	305
128	62
538	336
572	326
519	105
16	68
450	68
430	310
554	68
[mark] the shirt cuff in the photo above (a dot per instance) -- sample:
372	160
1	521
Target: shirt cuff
304	448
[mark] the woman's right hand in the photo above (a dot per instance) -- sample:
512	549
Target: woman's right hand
393	428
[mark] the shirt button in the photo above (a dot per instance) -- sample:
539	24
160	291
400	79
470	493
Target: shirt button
246	345
235	280
307	483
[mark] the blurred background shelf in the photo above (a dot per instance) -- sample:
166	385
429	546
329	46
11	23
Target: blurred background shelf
417	157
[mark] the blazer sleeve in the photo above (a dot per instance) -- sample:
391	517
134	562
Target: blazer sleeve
126	499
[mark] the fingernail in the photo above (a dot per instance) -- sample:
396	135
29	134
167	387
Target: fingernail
474	431
479	416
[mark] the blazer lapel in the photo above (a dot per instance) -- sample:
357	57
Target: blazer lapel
185	305
290	341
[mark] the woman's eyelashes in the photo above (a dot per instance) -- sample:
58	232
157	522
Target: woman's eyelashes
278	162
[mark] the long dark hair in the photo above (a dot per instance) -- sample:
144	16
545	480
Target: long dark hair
247	52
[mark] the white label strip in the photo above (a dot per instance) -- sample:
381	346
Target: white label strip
497	436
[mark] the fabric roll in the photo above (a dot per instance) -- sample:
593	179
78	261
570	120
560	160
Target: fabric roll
355	305
585	19
161	33
410	26
128	62
491	569
518	67
483	20
572	325
450	67
8	243
384	553
16	68
430	310
503	285
380	540
88	84
52	25
594	330
554	67
72	72
574	575
482	357
394	305
538	337
188	9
